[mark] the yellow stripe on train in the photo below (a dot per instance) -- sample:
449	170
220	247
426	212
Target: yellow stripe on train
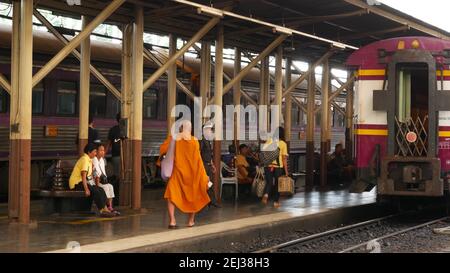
382	72
381	132
371	72
371	132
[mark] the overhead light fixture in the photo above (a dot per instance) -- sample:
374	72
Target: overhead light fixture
339	45
74	2
210	11
283	30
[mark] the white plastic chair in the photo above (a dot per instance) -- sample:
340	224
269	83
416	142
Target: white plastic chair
228	180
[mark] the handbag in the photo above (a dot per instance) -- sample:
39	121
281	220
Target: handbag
103	179
167	161
267	157
286	185
259	183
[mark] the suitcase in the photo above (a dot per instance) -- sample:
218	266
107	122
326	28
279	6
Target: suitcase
286	186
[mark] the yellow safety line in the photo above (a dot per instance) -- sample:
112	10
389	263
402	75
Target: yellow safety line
371	132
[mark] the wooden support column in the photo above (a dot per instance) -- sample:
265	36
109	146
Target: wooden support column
85	75
205	72
20	112
237	97
324	124
310	127
137	76
288	104
172	83
127	175
279	84
218	96
349	122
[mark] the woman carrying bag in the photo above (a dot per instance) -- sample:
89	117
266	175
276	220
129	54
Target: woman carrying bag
277	168
182	167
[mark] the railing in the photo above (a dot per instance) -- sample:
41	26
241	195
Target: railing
411	137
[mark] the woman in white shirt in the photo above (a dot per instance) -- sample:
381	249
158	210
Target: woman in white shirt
100	176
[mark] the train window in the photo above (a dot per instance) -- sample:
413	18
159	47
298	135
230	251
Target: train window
97	100
67	96
38	99
4	99
150	103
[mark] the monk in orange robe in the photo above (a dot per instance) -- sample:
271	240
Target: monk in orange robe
187	186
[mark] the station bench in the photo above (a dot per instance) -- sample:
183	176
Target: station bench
59	198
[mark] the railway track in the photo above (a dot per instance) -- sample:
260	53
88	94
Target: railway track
386	227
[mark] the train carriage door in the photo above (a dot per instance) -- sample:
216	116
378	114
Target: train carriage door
412	110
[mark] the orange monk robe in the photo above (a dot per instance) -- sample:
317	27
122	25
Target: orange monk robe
188	185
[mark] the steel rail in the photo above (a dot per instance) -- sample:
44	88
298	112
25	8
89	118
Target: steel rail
323	234
392	234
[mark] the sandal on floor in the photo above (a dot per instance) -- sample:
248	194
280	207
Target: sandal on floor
173	226
191	225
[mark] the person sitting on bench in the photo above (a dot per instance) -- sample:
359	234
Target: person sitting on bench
81	179
101	179
245	175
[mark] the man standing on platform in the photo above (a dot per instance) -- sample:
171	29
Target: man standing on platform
114	142
207	158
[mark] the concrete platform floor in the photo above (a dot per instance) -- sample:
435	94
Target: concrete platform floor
135	229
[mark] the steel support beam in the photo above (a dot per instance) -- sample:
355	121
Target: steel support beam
324	124
75	42
343	87
237	98
218	97
264	84
338	108
171	83
279	84
378	11
137	76
152	57
127	172
111	88
297	23
310	117
85	82
275	27
288	104
349	123
205	72
202	32
312	68
20	112
299	104
253	63
227	79
5	83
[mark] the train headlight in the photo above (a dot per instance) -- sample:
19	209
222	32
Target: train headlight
415	44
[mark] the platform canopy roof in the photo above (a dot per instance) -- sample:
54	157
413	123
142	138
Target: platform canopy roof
352	22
